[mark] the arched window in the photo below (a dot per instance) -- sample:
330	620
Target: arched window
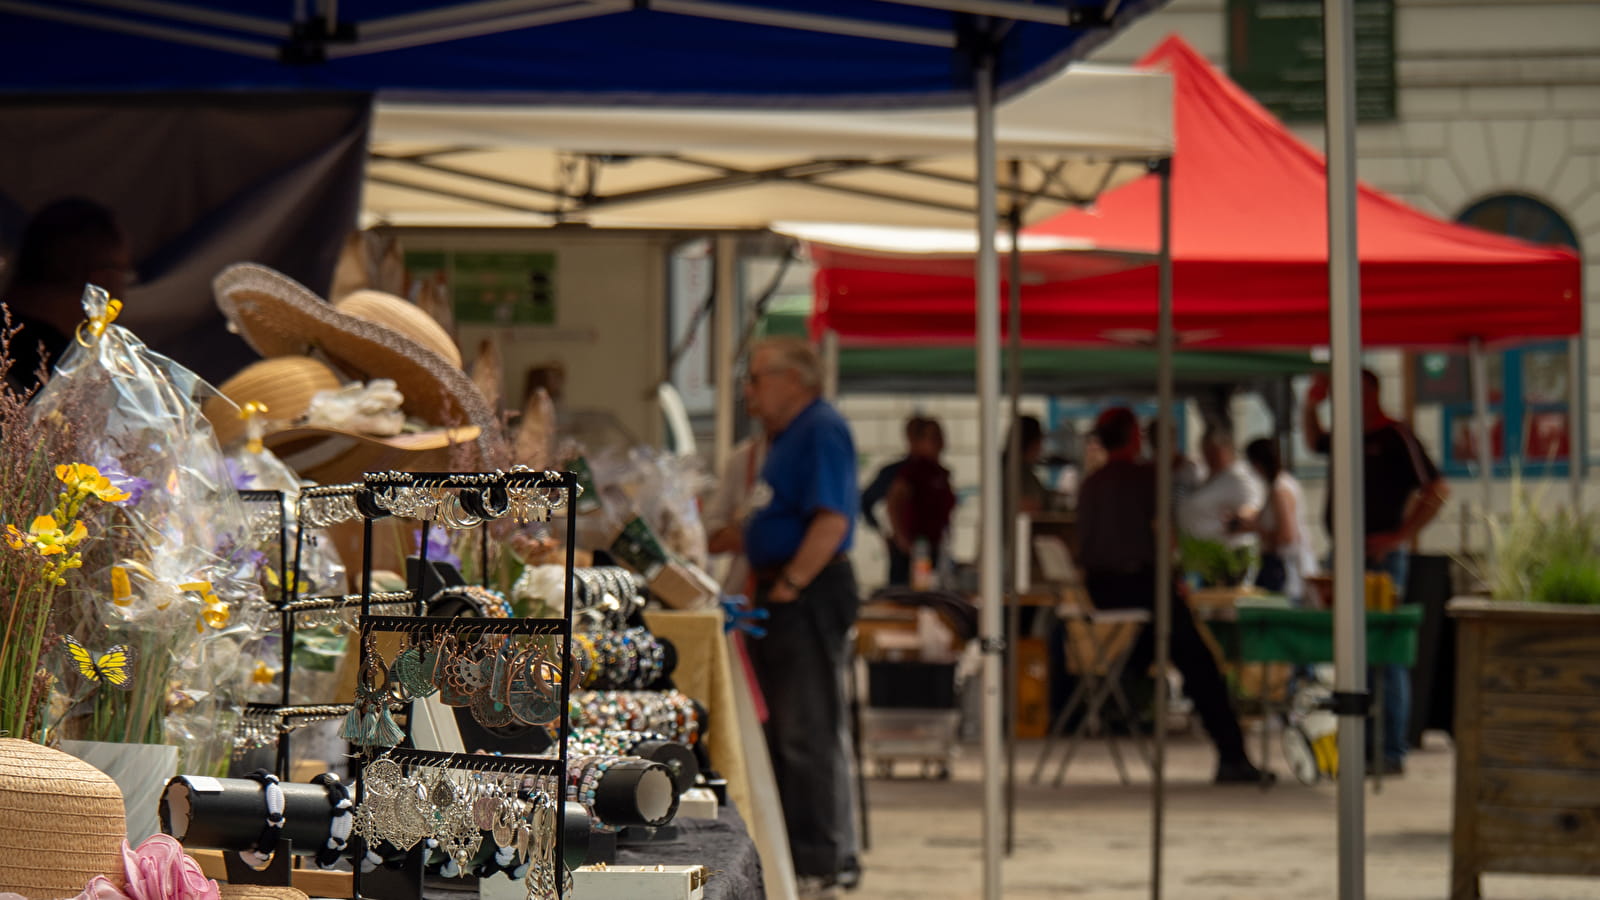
1529	388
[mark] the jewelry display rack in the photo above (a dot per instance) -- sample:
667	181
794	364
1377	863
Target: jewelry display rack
315	507
455	500
469	500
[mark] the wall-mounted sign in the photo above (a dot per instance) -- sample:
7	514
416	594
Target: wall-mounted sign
493	288
1275	53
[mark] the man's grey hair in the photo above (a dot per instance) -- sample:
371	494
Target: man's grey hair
793	354
1217	434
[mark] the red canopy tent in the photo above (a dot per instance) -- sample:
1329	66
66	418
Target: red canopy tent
1250	255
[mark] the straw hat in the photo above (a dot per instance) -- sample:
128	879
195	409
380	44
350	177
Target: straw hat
403	316
368	335
332	456
280	317
284	385
61	820
260	892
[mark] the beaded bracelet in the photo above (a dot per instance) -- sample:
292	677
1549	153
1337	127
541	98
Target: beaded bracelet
339	826
589	785
267	841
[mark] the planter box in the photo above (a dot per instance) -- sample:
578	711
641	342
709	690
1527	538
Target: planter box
1527	794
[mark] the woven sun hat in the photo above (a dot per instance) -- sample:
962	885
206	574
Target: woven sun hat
260	892
61	822
403	316
283	384
278	316
368	335
335	456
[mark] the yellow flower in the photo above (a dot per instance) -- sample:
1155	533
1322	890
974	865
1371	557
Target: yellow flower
85	480
263	674
121	586
16	538
48	538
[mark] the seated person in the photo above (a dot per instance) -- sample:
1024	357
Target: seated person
1117	552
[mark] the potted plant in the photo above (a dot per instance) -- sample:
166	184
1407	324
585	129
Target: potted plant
1528	700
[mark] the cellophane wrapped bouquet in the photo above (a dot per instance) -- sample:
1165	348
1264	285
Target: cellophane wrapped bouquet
320	640
159	621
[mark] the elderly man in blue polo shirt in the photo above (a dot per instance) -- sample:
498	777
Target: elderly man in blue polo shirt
804	517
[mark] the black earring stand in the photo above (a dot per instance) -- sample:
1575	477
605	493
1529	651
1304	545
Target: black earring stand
407	881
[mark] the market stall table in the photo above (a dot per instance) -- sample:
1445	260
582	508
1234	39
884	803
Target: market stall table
1266	630
722	845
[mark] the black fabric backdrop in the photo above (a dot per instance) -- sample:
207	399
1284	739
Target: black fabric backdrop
197	182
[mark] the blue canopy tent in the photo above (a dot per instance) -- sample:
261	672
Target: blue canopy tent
813	53
746	54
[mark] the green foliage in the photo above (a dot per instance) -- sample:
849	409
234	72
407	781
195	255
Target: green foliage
1543	551
1568	581
1214	563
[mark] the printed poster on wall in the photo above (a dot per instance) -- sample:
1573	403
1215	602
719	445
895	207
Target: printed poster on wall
493	287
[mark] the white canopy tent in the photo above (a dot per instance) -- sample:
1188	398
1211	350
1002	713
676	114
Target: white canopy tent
1078	133
1059	144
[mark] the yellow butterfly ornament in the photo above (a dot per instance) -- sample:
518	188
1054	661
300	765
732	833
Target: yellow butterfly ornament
113	667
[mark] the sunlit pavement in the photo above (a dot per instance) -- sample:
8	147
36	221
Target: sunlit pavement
1091	837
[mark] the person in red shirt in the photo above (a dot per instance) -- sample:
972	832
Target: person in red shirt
920	499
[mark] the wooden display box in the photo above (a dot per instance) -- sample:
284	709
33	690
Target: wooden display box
1527	741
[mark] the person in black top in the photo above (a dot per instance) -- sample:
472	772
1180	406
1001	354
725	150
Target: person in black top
66	245
1117	553
1402	492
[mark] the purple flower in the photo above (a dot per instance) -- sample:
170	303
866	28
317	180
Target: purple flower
120	479
439	549
236	473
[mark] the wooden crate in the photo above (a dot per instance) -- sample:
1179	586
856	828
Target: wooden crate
1527	741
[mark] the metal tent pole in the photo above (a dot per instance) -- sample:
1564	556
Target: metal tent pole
1014	491
1483	437
1344	314
1165	435
1577	434
724	343
989	553
830	365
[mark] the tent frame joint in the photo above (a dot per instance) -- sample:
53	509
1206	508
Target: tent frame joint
1349	703
308	40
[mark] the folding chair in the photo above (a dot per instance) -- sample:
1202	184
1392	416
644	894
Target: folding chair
1098	648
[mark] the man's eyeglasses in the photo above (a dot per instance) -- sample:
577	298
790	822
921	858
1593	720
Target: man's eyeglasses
754	376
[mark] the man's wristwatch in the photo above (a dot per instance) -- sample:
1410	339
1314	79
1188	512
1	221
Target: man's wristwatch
788	579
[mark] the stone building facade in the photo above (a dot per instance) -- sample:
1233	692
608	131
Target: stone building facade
1498	114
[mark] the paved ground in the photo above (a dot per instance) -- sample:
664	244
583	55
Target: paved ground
1091	838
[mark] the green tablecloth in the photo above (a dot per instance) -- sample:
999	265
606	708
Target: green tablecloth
1271	633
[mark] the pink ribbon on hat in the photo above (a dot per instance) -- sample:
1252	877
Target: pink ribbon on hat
158	870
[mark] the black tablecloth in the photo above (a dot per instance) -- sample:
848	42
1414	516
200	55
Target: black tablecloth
722	845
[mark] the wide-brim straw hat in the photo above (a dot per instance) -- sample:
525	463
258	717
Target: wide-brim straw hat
368	335
332	456
278	316
260	892
61	822
285	385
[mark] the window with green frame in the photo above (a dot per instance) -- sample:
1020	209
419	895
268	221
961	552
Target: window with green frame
1530	389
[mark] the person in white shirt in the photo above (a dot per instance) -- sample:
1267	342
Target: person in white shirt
1229	494
1287	557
